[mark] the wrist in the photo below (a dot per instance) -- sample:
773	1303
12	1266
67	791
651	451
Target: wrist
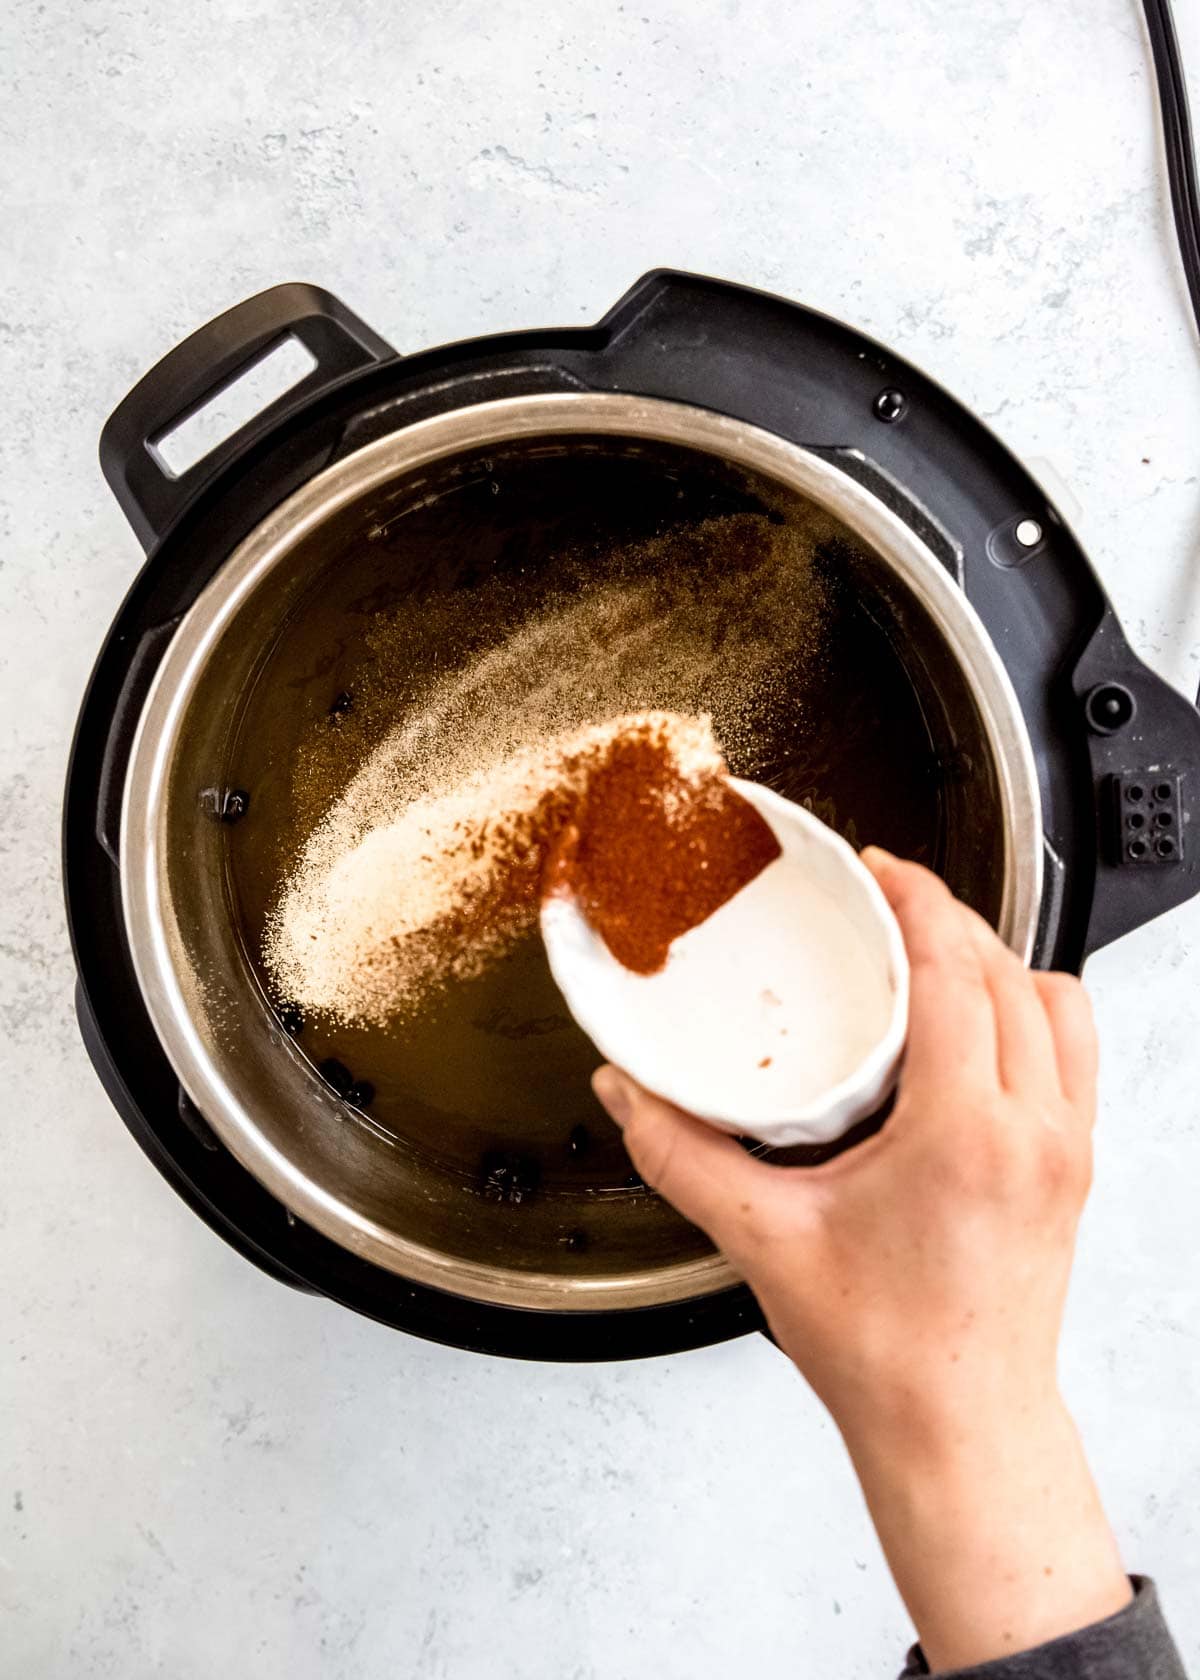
993	1530
918	1437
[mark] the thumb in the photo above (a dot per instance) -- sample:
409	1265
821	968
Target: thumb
702	1172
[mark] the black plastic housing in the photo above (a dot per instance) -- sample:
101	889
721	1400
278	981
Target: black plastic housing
776	364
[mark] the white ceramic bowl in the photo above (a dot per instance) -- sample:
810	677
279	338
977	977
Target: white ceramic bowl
782	1017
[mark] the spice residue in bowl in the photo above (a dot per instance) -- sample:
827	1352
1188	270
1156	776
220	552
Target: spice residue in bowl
652	852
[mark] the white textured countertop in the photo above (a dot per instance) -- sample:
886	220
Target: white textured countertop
203	1472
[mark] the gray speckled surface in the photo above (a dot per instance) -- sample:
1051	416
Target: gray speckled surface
203	1471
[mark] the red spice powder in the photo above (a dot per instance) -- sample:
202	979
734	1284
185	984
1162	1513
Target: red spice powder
647	845
650	854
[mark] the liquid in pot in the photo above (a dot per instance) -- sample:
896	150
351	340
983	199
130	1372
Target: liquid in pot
726	601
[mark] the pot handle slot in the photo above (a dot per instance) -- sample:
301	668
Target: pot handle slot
188	379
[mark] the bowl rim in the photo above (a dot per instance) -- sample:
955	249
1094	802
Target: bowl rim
831	1113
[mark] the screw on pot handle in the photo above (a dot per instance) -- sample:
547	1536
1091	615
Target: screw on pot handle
150	495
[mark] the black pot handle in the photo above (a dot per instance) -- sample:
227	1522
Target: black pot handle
202	366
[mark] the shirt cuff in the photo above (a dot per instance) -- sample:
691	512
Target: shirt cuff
1135	1644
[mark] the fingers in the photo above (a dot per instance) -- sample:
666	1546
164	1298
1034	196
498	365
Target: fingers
1038	1030
1069	1013
1025	1055
951	1016
702	1172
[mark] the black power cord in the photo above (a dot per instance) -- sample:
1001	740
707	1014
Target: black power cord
1177	137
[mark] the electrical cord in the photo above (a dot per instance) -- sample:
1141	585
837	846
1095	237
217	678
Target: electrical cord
1180	147
1177	137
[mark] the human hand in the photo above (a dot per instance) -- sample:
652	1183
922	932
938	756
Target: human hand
918	1281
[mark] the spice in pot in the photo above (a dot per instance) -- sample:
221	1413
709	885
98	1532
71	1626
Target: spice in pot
652	853
468	730
368	933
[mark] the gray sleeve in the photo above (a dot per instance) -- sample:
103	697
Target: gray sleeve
1135	1644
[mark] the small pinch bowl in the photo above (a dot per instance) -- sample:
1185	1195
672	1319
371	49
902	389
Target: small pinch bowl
782	1017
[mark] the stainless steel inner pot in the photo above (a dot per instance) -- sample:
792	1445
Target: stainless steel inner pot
559	1237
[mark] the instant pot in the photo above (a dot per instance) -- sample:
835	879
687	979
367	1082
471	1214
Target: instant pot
475	1195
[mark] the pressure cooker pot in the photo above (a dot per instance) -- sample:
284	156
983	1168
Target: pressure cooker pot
942	672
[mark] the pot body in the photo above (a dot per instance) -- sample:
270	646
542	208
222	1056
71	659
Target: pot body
517	1236
410	1194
